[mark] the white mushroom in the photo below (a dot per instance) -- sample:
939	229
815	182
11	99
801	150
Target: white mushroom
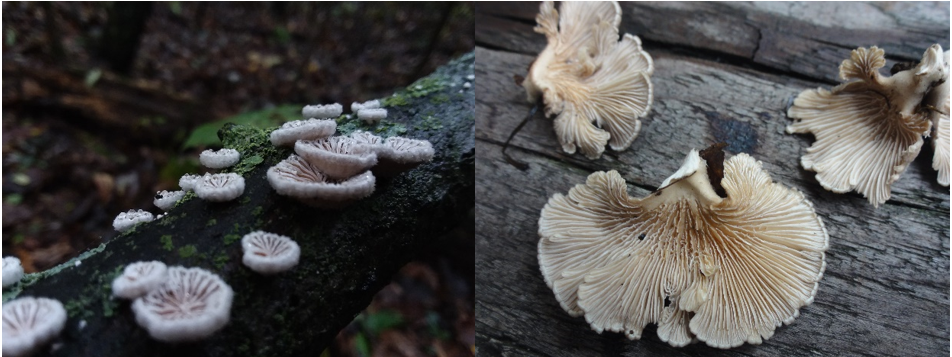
371	116
29	323
192	305
126	220
220	187
187	181
596	86
867	130
370	104
337	157
723	261
937	104
308	129
321	111
219	159
165	200
269	253
398	154
12	271
139	278
295	177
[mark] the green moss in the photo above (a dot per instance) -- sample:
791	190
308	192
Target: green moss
167	242
231	238
395	101
187	251
421	88
211	222
429	122
257	211
439	99
30	279
220	260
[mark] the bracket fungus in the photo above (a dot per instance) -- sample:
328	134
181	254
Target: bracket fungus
139	278
191	305
309	129
29	323
165	200
187	181
396	154
220	187
126	220
372	116
12	271
295	177
370	104
868	130
269	253
219	159
595	85
337	157
719	253
322	111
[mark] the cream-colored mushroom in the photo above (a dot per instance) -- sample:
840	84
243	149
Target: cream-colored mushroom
595	85
867	130
937	103
721	268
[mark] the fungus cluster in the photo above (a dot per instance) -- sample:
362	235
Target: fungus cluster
868	130
332	171
12	271
719	253
595	85
29	323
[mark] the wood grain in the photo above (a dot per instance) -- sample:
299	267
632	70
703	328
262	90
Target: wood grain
886	286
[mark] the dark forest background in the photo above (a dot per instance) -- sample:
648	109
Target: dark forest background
106	103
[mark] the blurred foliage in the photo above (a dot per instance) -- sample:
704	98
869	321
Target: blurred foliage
206	134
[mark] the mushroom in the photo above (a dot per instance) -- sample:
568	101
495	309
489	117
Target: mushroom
29	323
322	111
370	104
719	253
220	187
12	271
126	220
165	200
139	278
366	138
295	177
337	157
269	253
308	129
372	116
191	305
937	104
585	75
187	181
398	154
867	130
219	159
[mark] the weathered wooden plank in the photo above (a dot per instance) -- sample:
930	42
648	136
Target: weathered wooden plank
803	38
886	286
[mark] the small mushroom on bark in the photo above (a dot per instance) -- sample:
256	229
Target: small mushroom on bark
29	323
869	129
126	220
937	104
595	85
220	187
139	278
165	200
721	259
191	305
309	129
295	177
321	111
219	159
269	253
337	157
12	271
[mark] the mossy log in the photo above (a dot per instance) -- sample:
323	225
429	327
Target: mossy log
347	255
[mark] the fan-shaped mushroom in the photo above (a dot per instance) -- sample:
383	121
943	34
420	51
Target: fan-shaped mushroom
220	187
191	305
219	159
126	220
12	271
937	103
867	130
587	77
297	178
29	323
322	111
337	157
309	129
165	200
139	278
725	268
269	253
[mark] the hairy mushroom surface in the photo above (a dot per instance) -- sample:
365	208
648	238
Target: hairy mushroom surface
269	253
398	154
321	111
29	323
126	220
937	103
337	157
867	130
295	177
724	260
139	278
220	187
187	181
595	85
219	159
191	305
165	200
12	271
372	115
309	129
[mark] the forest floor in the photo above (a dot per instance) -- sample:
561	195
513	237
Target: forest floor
66	175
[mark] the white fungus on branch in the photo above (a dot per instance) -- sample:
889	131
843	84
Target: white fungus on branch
139	278
165	200
337	157
322	111
187	181
372	116
269	253
192	305
219	159
295	177
309	129
29	323
126	220
12	271
220	187
370	104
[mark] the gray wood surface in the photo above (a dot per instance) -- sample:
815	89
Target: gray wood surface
724	72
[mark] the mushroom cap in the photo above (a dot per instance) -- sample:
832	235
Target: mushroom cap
370	104
29	323
297	178
723	270
269	253
322	111
12	271
867	131
165	200
219	159
938	102
366	138
595	85
371	116
191	305
308	129
139	278
398	154
337	157
126	220
220	187
187	181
